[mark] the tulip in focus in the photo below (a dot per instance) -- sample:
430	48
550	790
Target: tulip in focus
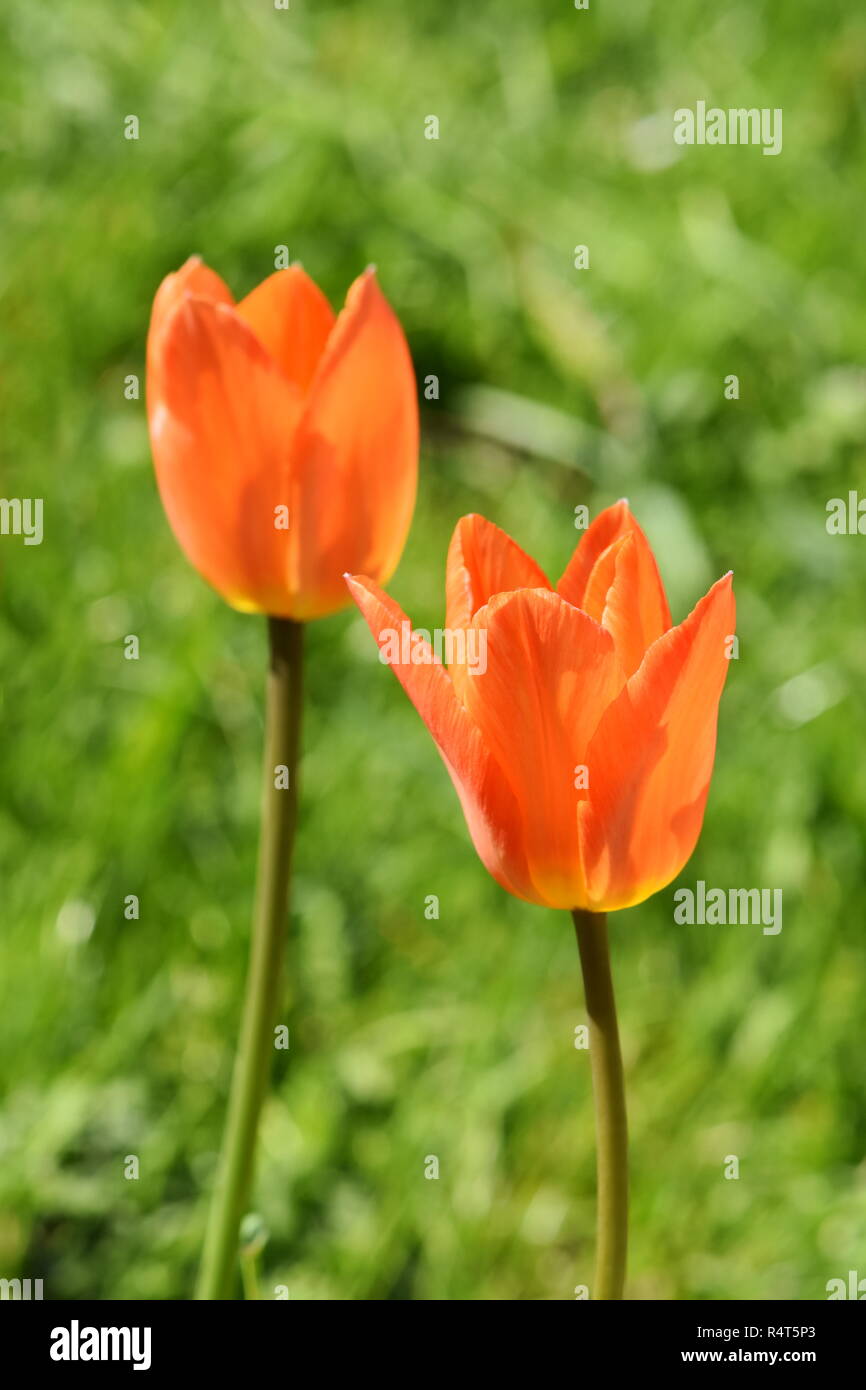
285	437
582	753
581	748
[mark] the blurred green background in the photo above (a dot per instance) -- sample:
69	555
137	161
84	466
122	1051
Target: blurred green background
558	386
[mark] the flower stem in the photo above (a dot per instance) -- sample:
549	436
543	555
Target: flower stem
610	1118
256	1043
250	1276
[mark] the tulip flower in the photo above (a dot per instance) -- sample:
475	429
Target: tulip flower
581	748
285	438
285	441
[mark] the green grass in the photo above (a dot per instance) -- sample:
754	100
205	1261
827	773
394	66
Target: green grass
412	1037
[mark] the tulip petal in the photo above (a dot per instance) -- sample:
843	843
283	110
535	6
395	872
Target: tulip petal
194	277
488	804
550	673
292	319
607	527
356	452
482	561
583	582
651	759
622	595
222	420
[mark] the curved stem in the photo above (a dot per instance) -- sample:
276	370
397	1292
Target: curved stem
610	1118
256	1043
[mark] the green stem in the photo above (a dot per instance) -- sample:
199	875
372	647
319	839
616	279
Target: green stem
250	1276
256	1043
610	1119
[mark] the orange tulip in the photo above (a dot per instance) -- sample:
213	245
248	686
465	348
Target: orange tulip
582	747
285	438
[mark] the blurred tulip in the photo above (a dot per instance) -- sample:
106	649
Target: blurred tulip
285	438
582	748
